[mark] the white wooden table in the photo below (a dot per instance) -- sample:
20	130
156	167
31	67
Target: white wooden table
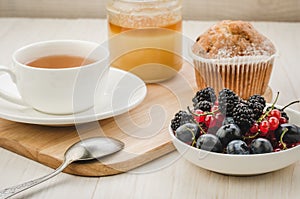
169	176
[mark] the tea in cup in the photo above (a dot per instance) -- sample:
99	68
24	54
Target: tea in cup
59	76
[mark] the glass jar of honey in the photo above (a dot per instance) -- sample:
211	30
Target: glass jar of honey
145	37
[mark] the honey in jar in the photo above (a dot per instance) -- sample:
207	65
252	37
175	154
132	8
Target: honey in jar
145	37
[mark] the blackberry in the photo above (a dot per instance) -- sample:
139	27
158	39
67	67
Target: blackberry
181	118
257	103
243	101
227	101
203	105
207	94
257	98
242	116
257	109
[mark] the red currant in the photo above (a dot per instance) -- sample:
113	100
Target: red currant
274	123
281	146
277	149
200	117
254	128
283	120
210	121
264	128
275	113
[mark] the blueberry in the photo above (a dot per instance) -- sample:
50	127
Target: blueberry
228	132
187	133
237	147
209	142
228	120
260	145
291	136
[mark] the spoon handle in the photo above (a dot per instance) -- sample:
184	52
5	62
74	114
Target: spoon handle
8	192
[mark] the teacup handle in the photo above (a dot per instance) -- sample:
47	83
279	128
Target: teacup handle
5	95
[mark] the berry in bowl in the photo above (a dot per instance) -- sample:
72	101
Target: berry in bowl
227	134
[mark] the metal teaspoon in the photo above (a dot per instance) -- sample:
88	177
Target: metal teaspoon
87	149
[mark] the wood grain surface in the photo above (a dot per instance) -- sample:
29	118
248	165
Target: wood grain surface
255	10
169	176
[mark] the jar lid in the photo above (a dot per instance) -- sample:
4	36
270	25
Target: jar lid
144	13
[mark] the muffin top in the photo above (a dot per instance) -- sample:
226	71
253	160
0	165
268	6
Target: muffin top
229	39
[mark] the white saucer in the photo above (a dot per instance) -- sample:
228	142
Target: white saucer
124	92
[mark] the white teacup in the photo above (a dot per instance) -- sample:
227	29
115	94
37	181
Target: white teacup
59	90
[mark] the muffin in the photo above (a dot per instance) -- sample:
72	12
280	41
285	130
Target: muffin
232	54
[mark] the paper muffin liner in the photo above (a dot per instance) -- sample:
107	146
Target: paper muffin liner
246	76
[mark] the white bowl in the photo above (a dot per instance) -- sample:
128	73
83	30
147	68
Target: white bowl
240	164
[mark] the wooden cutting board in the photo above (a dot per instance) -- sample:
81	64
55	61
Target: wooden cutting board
144	130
